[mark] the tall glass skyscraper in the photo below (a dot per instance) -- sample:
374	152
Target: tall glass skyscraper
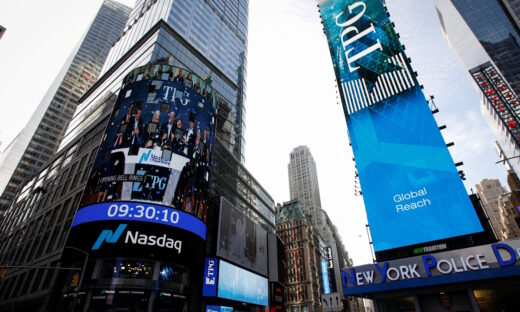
216	30
495	28
485	35
41	137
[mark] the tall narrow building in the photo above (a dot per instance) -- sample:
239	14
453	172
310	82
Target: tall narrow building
485	35
490	192
304	188
40	138
303	184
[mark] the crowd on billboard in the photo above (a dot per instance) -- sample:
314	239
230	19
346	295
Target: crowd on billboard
157	148
170	73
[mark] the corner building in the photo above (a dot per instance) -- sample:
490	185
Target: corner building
206	39
485	35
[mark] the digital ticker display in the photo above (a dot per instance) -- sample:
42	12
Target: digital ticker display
411	188
148	189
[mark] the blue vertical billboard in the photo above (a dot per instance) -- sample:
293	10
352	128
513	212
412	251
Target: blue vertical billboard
412	190
148	190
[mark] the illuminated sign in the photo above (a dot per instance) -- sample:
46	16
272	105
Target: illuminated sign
212	308
328	253
325	277
142	212
209	285
152	171
136	238
464	265
411	188
238	284
109	236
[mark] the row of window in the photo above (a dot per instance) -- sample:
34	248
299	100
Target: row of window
35	228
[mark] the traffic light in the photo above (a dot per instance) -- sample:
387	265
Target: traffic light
75	280
2	272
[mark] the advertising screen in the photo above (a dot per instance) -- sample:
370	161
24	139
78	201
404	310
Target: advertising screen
411	187
212	308
238	284
325	277
241	240
149	186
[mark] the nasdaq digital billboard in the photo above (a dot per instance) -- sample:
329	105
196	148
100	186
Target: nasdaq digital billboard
411	187
148	189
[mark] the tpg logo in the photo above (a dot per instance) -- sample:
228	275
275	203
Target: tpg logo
109	236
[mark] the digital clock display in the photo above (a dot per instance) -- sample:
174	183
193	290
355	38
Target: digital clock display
139	211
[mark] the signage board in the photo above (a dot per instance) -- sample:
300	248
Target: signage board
213	308
209	285
238	284
325	277
411	188
497	260
240	240
277	294
153	168
328	253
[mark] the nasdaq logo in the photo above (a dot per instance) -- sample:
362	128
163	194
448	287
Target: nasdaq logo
109	236
145	156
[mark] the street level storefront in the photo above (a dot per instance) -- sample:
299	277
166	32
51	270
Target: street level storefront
482	278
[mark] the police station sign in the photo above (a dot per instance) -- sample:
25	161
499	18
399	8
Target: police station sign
476	263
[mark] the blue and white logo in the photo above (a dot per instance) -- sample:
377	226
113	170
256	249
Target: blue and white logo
109	236
209	287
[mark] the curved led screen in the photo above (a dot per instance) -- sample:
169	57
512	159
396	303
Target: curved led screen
149	185
412	191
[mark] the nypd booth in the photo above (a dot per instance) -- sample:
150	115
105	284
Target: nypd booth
482	278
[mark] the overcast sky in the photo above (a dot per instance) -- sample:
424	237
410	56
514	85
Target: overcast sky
291	94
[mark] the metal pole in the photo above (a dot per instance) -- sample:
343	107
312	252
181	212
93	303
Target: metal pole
73	308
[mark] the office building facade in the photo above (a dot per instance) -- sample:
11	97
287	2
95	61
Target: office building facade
158	31
485	35
40	138
303	258
493	23
489	192
512	230
303	183
304	188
